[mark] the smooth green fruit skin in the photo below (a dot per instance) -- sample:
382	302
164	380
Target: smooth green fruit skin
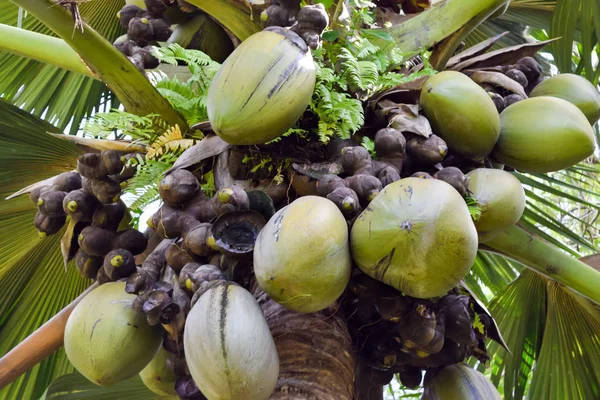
158	377
261	90
417	235
228	346
106	340
501	198
543	134
302	256
576	90
459	382
461	113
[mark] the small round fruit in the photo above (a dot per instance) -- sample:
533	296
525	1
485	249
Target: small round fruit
501	198
543	134
301	256
417	235
106	340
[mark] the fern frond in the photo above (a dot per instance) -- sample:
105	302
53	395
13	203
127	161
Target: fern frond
171	141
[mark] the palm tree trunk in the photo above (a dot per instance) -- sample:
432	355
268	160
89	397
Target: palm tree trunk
315	353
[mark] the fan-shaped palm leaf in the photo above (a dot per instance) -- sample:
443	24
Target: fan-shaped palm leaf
33	283
64	98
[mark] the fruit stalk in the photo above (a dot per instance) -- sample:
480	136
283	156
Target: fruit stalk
548	260
40	344
440	21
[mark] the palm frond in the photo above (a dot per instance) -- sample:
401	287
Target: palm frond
75	387
33	283
63	98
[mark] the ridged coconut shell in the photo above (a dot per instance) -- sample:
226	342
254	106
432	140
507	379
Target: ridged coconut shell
158	377
229	349
261	90
459	382
417	235
501	198
106	340
461	113
543	134
576	90
301	256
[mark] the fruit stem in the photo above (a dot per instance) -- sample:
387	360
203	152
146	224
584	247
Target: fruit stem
540	256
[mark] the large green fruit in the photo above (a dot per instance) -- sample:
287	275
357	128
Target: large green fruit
459	382
543	134
228	346
501	197
157	376
461	113
262	88
301	257
576	90
417	235
106	340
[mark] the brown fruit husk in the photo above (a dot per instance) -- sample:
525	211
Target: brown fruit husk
67	182
365	186
356	160
171	223
455	178
118	264
80	205
346	200
131	240
108	216
177	257
178	187
34	195
106	190
96	241
48	225
196	240
50	203
427	151
87	265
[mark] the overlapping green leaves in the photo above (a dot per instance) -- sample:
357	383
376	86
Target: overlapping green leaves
33	283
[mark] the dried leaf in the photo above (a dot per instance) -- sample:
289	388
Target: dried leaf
499	79
206	148
66	242
493	331
27	189
405	118
102	144
505	56
476	50
317	170
407	93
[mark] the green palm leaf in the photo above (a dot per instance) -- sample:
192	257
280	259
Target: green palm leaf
64	98
520	311
75	387
33	283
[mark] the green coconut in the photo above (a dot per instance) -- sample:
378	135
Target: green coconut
576	90
106	340
228	346
501	198
417	235
301	256
157	376
458	382
261	89
543	134
461	113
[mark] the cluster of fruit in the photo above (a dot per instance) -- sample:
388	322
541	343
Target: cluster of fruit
394	333
143	27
